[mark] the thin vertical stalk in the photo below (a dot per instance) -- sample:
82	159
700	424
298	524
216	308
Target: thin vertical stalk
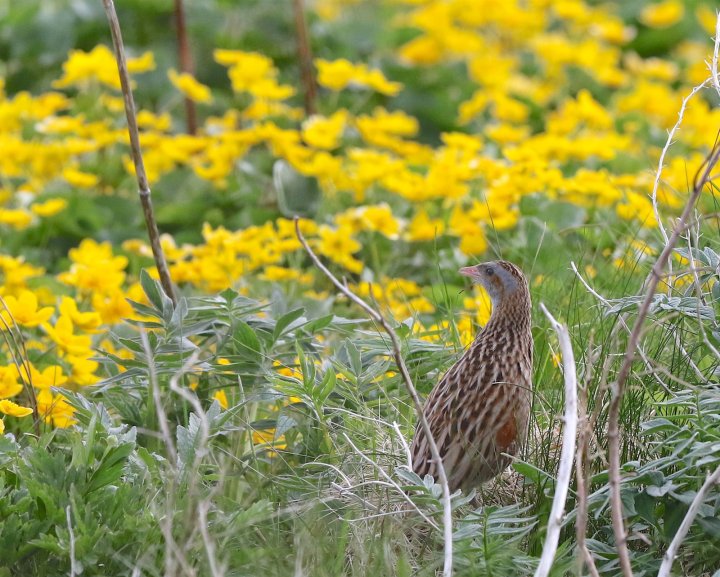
143	186
186	63
701	179
305	58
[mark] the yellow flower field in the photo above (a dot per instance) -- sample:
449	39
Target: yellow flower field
443	133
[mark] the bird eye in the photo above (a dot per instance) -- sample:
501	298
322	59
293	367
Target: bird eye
489	271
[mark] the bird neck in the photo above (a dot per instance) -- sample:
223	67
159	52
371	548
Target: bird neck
511	313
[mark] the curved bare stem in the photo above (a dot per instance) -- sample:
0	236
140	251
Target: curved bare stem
567	452
701	179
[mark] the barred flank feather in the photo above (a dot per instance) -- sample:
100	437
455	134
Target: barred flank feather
480	408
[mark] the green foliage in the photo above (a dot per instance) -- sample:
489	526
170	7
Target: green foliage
304	471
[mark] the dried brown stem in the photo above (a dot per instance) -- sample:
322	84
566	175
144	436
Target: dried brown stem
582	474
186	62
305	57
701	179
405	373
143	186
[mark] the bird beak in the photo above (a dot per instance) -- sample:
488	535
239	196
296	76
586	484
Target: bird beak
470	271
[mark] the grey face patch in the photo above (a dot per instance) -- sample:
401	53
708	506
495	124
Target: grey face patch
499	278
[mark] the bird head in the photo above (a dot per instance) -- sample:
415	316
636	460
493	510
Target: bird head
499	278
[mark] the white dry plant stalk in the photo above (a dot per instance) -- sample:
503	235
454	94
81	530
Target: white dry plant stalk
73	561
669	556
567	453
407	380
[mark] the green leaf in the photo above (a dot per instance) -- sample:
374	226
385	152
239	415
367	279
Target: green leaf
152	290
674	515
307	367
319	323
144	310
530	472
177	320
245	340
286	322
326	386
711	525
110	469
354	357
283	425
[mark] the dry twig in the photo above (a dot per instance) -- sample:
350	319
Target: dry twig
661	160
402	367
143	186
186	62
567	452
701	179
74	570
389	482
687	521
582	474
305	57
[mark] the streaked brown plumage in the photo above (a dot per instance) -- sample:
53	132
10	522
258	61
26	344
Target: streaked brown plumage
480	408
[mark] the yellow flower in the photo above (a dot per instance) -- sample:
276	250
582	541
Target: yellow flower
16	272
9	386
112	306
86	321
421	50
708	19
95	269
151	121
13	409
221	398
268	88
24	310
288	371
141	64
637	207
339	74
267	437
63	335
83	371
423	228
80	179
254	73
472	236
380	218
54	408
254	64
190	87
51	376
99	65
279	273
50	207
338	246
324	133
662	14
2	426
16	218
